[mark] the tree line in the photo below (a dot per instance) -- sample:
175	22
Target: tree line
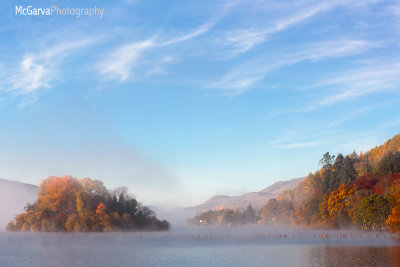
226	217
356	190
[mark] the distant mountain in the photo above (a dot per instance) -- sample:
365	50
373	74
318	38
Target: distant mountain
256	199
13	198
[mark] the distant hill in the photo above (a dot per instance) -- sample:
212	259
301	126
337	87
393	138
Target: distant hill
256	199
13	198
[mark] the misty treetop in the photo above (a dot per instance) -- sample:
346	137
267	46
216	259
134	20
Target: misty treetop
68	204
357	190
226	217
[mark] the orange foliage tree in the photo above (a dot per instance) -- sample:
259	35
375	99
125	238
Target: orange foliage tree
335	206
393	221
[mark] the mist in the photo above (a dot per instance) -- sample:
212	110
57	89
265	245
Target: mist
201	246
177	216
13	198
115	165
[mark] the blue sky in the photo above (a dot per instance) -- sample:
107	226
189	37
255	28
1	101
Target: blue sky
182	100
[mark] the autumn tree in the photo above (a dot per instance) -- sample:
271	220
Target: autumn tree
372	212
393	221
308	213
275	212
58	194
335	206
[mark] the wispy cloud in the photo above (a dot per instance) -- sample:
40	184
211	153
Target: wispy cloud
395	122
199	31
361	81
292	139
351	116
299	144
244	39
36	71
160	66
395	9
119	64
361	111
243	77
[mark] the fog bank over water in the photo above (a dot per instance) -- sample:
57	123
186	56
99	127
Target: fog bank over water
13	198
206	246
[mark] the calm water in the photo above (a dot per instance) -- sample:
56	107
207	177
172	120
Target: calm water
202	247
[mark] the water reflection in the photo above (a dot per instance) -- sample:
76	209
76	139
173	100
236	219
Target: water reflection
353	256
201	247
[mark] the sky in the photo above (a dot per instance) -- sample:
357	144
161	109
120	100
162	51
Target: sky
183	100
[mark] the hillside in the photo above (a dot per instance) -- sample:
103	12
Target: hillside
256	199
343	191
361	191
390	146
13	198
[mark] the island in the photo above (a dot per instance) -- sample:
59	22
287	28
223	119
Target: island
84	205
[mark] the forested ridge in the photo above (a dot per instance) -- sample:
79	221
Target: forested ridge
357	190
68	204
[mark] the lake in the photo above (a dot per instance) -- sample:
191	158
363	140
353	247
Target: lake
232	246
